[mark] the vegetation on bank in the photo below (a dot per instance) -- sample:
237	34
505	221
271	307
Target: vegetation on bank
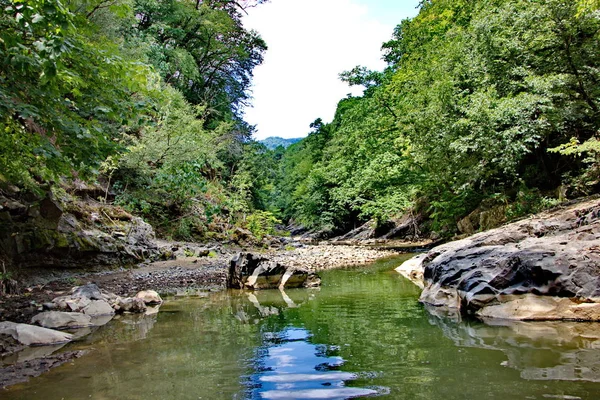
145	97
483	104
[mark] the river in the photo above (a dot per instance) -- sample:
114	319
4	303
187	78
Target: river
362	334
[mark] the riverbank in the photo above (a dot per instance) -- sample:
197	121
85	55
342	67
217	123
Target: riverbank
544	267
195	273
190	272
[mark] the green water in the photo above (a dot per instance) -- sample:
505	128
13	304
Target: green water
362	334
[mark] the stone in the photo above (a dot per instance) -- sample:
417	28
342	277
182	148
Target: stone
149	297
69	303
131	305
61	320
546	267
249	271
98	308
89	291
412	270
31	335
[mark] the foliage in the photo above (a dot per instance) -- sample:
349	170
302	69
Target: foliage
474	96
261	223
145	95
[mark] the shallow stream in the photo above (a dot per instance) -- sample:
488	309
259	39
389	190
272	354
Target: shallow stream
363	333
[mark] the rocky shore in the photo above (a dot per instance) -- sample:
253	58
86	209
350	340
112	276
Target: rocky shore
193	269
546	267
46	296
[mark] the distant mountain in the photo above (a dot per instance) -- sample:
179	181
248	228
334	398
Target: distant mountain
274	141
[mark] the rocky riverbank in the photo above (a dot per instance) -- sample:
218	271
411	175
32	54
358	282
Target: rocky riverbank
195	269
546	267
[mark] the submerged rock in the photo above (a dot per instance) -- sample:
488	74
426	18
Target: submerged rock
249	271
542	268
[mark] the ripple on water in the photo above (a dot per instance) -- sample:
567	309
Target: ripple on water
290	367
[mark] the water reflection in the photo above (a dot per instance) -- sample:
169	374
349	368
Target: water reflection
538	350
290	367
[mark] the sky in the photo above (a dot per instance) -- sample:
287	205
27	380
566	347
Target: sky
310	43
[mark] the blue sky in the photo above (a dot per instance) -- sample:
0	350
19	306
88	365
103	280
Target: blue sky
310	43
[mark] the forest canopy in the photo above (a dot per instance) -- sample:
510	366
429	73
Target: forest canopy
483	104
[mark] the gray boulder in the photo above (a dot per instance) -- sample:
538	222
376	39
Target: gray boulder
98	308
31	335
542	268
61	320
249	271
89	291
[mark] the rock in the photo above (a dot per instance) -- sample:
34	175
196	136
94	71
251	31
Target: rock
31	335
542	268
131	305
98	308
89	291
71	232
69	303
61	320
248	271
413	270
149	297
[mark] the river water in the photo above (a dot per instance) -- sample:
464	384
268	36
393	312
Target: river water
362	334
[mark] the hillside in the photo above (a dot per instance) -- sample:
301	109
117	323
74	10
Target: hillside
275	141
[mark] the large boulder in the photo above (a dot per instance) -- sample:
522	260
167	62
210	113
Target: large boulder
62	320
150	297
31	335
542	268
249	271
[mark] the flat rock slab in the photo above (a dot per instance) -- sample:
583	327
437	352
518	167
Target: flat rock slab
546	267
98	308
62	320
31	335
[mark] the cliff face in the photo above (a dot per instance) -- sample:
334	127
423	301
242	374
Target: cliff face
546	267
66	231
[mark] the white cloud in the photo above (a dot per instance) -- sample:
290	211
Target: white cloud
310	43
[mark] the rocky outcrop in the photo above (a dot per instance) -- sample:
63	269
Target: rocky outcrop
249	271
71	232
546	267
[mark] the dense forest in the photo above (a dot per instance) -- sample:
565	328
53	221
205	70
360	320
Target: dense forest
484	104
